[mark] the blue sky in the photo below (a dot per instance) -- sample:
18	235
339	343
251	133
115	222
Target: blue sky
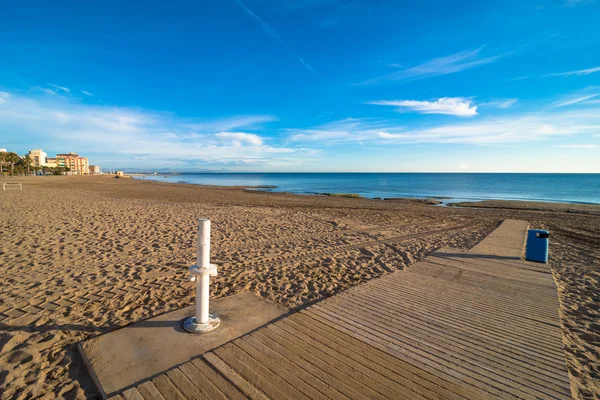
305	85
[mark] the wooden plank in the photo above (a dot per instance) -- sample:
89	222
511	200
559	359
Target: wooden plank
259	376
520	340
414	379
185	386
447	270
421	358
496	310
226	387
149	391
338	381
369	376
234	377
166	388
290	375
471	317
444	333
374	376
492	362
456	361
456	310
515	272
359	383
200	381
304	370
132	394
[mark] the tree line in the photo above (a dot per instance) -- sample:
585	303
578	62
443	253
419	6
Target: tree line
12	164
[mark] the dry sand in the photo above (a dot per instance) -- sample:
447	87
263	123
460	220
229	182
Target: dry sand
80	256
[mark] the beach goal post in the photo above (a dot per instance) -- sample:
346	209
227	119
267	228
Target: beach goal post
201	273
12	185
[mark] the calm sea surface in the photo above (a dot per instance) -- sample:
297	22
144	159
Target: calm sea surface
573	188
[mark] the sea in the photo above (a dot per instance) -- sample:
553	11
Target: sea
446	187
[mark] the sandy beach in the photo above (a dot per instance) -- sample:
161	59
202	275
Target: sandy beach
81	256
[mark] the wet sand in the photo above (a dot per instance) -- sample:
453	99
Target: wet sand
84	255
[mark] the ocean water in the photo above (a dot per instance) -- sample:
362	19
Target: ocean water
571	188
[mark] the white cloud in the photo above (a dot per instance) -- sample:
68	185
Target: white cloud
61	88
86	93
442	66
458	106
579	146
240	138
387	135
464	165
134	137
509	129
4	97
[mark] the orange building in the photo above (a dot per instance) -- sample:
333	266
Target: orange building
78	165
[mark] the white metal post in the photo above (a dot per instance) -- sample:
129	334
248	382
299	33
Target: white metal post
202	298
203	263
202	321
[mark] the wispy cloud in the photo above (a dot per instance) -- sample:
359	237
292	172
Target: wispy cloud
294	5
345	130
574	3
129	135
579	146
60	88
578	72
324	13
229	124
442	66
4	97
509	129
458	106
577	98
44	90
504	103
587	71
273	34
86	93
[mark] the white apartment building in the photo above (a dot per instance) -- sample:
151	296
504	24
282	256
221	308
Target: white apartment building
38	157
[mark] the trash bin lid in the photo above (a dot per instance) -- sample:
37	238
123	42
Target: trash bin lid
540	233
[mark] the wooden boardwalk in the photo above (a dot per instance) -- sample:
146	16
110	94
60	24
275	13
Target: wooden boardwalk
476	324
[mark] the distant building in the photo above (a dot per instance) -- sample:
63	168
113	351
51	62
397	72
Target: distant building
38	158
51	163
77	165
95	170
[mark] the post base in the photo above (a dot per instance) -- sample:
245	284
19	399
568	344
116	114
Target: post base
191	325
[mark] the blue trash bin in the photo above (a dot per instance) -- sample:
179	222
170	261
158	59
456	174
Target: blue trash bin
537	245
